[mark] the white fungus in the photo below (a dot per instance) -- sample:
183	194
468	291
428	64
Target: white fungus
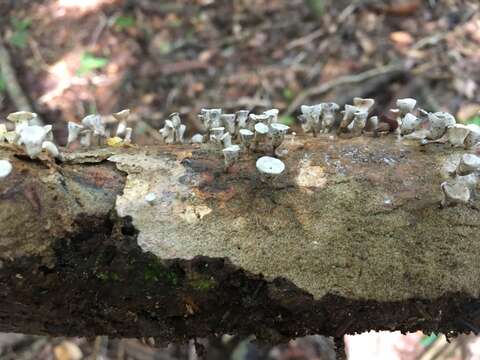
5	168
150	198
51	149
270	166
73	132
32	137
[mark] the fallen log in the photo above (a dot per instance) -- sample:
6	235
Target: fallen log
350	238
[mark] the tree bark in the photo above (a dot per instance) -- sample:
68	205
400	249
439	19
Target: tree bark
350	238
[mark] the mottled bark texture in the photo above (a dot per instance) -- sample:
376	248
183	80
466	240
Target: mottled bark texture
350	238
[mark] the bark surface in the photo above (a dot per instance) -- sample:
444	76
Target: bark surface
350	238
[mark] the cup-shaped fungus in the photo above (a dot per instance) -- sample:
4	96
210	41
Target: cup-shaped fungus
228	122
5	168
128	136
95	123
310	118
348	116
328	117
272	115
409	123
51	149
269	167
231	155
21	119
439	122
469	164
246	136
278	132
197	139
86	138
226	140
405	106
261	131
242	117
364	104
73	132
359	122
32	137
216	134
168	132
211	118
457	134
121	117
254	119
473	137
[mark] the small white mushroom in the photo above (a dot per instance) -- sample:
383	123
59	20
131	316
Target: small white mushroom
254	119
310	118
469	164
359	122
372	124
270	167
246	137
457	192
457	134
231	155
197	139
409	123
5	168
439	122
364	104
227	140
328	116
21	119
473	137
216	134
405	106
51	149
86	138
348	116
128	136
32	137
121	128
261	131
95	123
242	117
211	118
168	132
278	132
228	121
3	132
122	115
73	132
150	198
48	132
180	132
272	115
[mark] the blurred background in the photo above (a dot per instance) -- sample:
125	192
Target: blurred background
70	58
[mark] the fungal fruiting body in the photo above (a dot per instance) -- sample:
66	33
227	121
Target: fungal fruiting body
457	134
22	119
348	116
310	118
231	155
242	117
150	198
216	134
5	168
3	132
270	167
272	115
173	130
32	137
473	137
228	122
261	131
211	118
226	140
439	122
246	136
462	188
197	139
409	123
51	149
94	123
328	116
277	133
359	122
73	132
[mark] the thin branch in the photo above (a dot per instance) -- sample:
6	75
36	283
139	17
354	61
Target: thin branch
343	80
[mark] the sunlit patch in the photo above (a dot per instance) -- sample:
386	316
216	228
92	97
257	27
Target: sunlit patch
83	5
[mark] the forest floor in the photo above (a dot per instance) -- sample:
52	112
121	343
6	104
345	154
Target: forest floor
73	58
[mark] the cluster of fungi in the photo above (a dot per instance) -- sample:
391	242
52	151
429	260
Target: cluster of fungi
245	132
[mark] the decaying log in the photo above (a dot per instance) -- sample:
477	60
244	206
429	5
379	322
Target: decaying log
350	238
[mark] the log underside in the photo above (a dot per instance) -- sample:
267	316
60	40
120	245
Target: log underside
351	238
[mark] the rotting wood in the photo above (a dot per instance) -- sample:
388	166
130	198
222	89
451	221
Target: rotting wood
351	238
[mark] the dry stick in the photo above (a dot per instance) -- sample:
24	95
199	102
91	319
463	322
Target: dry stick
14	89
343	80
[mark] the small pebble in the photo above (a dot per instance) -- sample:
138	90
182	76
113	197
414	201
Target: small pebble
150	198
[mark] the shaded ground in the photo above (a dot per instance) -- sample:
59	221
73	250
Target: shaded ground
159	57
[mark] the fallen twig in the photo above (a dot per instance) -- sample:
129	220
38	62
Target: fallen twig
14	89
343	80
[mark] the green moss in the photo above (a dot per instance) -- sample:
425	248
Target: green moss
107	275
156	271
203	283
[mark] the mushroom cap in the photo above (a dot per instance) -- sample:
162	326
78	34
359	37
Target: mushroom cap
270	165
231	150
197	139
406	105
279	128
246	132
364	104
21	116
468	164
122	115
51	148
32	134
261	128
5	168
